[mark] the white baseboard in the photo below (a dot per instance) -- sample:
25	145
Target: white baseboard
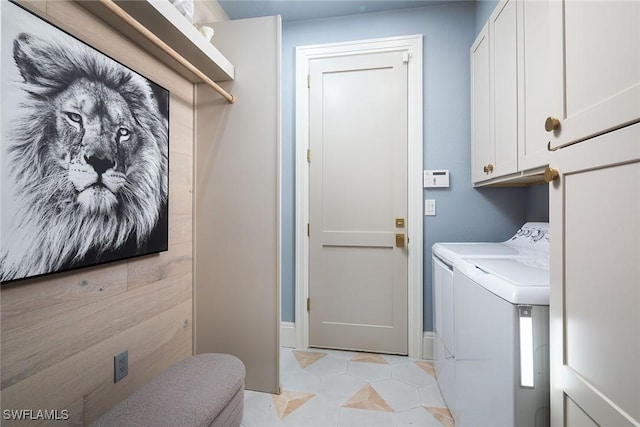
428	341
288	339
287	334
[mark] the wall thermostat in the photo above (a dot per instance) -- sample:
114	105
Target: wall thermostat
436	178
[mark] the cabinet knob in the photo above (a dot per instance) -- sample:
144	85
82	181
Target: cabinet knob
485	169
551	124
490	168
551	174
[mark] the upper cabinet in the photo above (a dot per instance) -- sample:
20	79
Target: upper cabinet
164	21
514	46
503	63
482	148
596	68
534	77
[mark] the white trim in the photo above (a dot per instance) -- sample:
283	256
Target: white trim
428	345
412	45
287	334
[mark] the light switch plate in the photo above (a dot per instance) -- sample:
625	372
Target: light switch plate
430	207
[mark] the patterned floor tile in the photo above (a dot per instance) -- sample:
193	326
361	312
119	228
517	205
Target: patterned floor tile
431	396
427	367
368	398
350	417
288	401
369	372
306	358
443	415
328	366
399	395
349	389
416	417
413	374
369	358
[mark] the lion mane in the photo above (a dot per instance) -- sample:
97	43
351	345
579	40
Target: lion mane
88	160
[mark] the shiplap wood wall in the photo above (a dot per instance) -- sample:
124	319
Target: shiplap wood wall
60	332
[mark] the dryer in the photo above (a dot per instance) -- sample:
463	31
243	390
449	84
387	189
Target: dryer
502	343
525	255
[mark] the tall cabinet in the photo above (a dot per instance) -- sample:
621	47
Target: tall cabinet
237	204
577	70
594	132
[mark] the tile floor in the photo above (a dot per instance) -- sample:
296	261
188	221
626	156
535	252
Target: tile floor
341	388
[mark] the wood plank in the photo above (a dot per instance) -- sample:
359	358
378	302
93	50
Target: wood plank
32	349
145	362
60	332
180	137
180	228
37	300
92	369
180	162
175	265
36	6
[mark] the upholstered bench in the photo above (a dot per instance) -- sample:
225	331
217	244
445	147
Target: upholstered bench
203	390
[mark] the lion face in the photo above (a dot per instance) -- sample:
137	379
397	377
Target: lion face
88	155
95	141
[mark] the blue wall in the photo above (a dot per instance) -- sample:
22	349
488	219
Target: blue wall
483	11
463	213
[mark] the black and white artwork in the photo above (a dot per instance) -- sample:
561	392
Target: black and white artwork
84	155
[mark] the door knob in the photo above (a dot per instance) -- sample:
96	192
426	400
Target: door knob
399	240
551	124
551	174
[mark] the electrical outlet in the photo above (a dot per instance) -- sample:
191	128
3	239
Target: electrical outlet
120	365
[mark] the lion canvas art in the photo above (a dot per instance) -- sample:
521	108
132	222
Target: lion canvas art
84	154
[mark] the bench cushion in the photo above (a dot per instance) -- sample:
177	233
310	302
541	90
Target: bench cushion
203	390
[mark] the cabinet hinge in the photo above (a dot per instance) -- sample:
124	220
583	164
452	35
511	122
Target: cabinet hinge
308	229
308	156
309	81
308	304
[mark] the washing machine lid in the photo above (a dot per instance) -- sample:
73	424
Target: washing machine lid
532	239
517	280
452	252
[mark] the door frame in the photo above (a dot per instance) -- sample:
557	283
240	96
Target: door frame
412	45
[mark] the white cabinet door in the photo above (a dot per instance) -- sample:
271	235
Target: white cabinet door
533	78
595	281
595	47
481	146
504	88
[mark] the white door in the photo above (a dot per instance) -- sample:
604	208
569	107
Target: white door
358	202
595	282
596	67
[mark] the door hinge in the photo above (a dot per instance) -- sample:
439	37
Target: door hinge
308	229
308	304
309	81
308	155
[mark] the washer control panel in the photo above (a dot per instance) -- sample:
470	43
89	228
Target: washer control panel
532	234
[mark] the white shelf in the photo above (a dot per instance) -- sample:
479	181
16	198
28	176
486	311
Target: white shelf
162	19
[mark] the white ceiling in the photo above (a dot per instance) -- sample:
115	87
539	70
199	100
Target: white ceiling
300	10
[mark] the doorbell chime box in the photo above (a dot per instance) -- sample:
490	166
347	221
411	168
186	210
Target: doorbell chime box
436	178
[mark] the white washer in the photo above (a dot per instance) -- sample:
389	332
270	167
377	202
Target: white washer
510	273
